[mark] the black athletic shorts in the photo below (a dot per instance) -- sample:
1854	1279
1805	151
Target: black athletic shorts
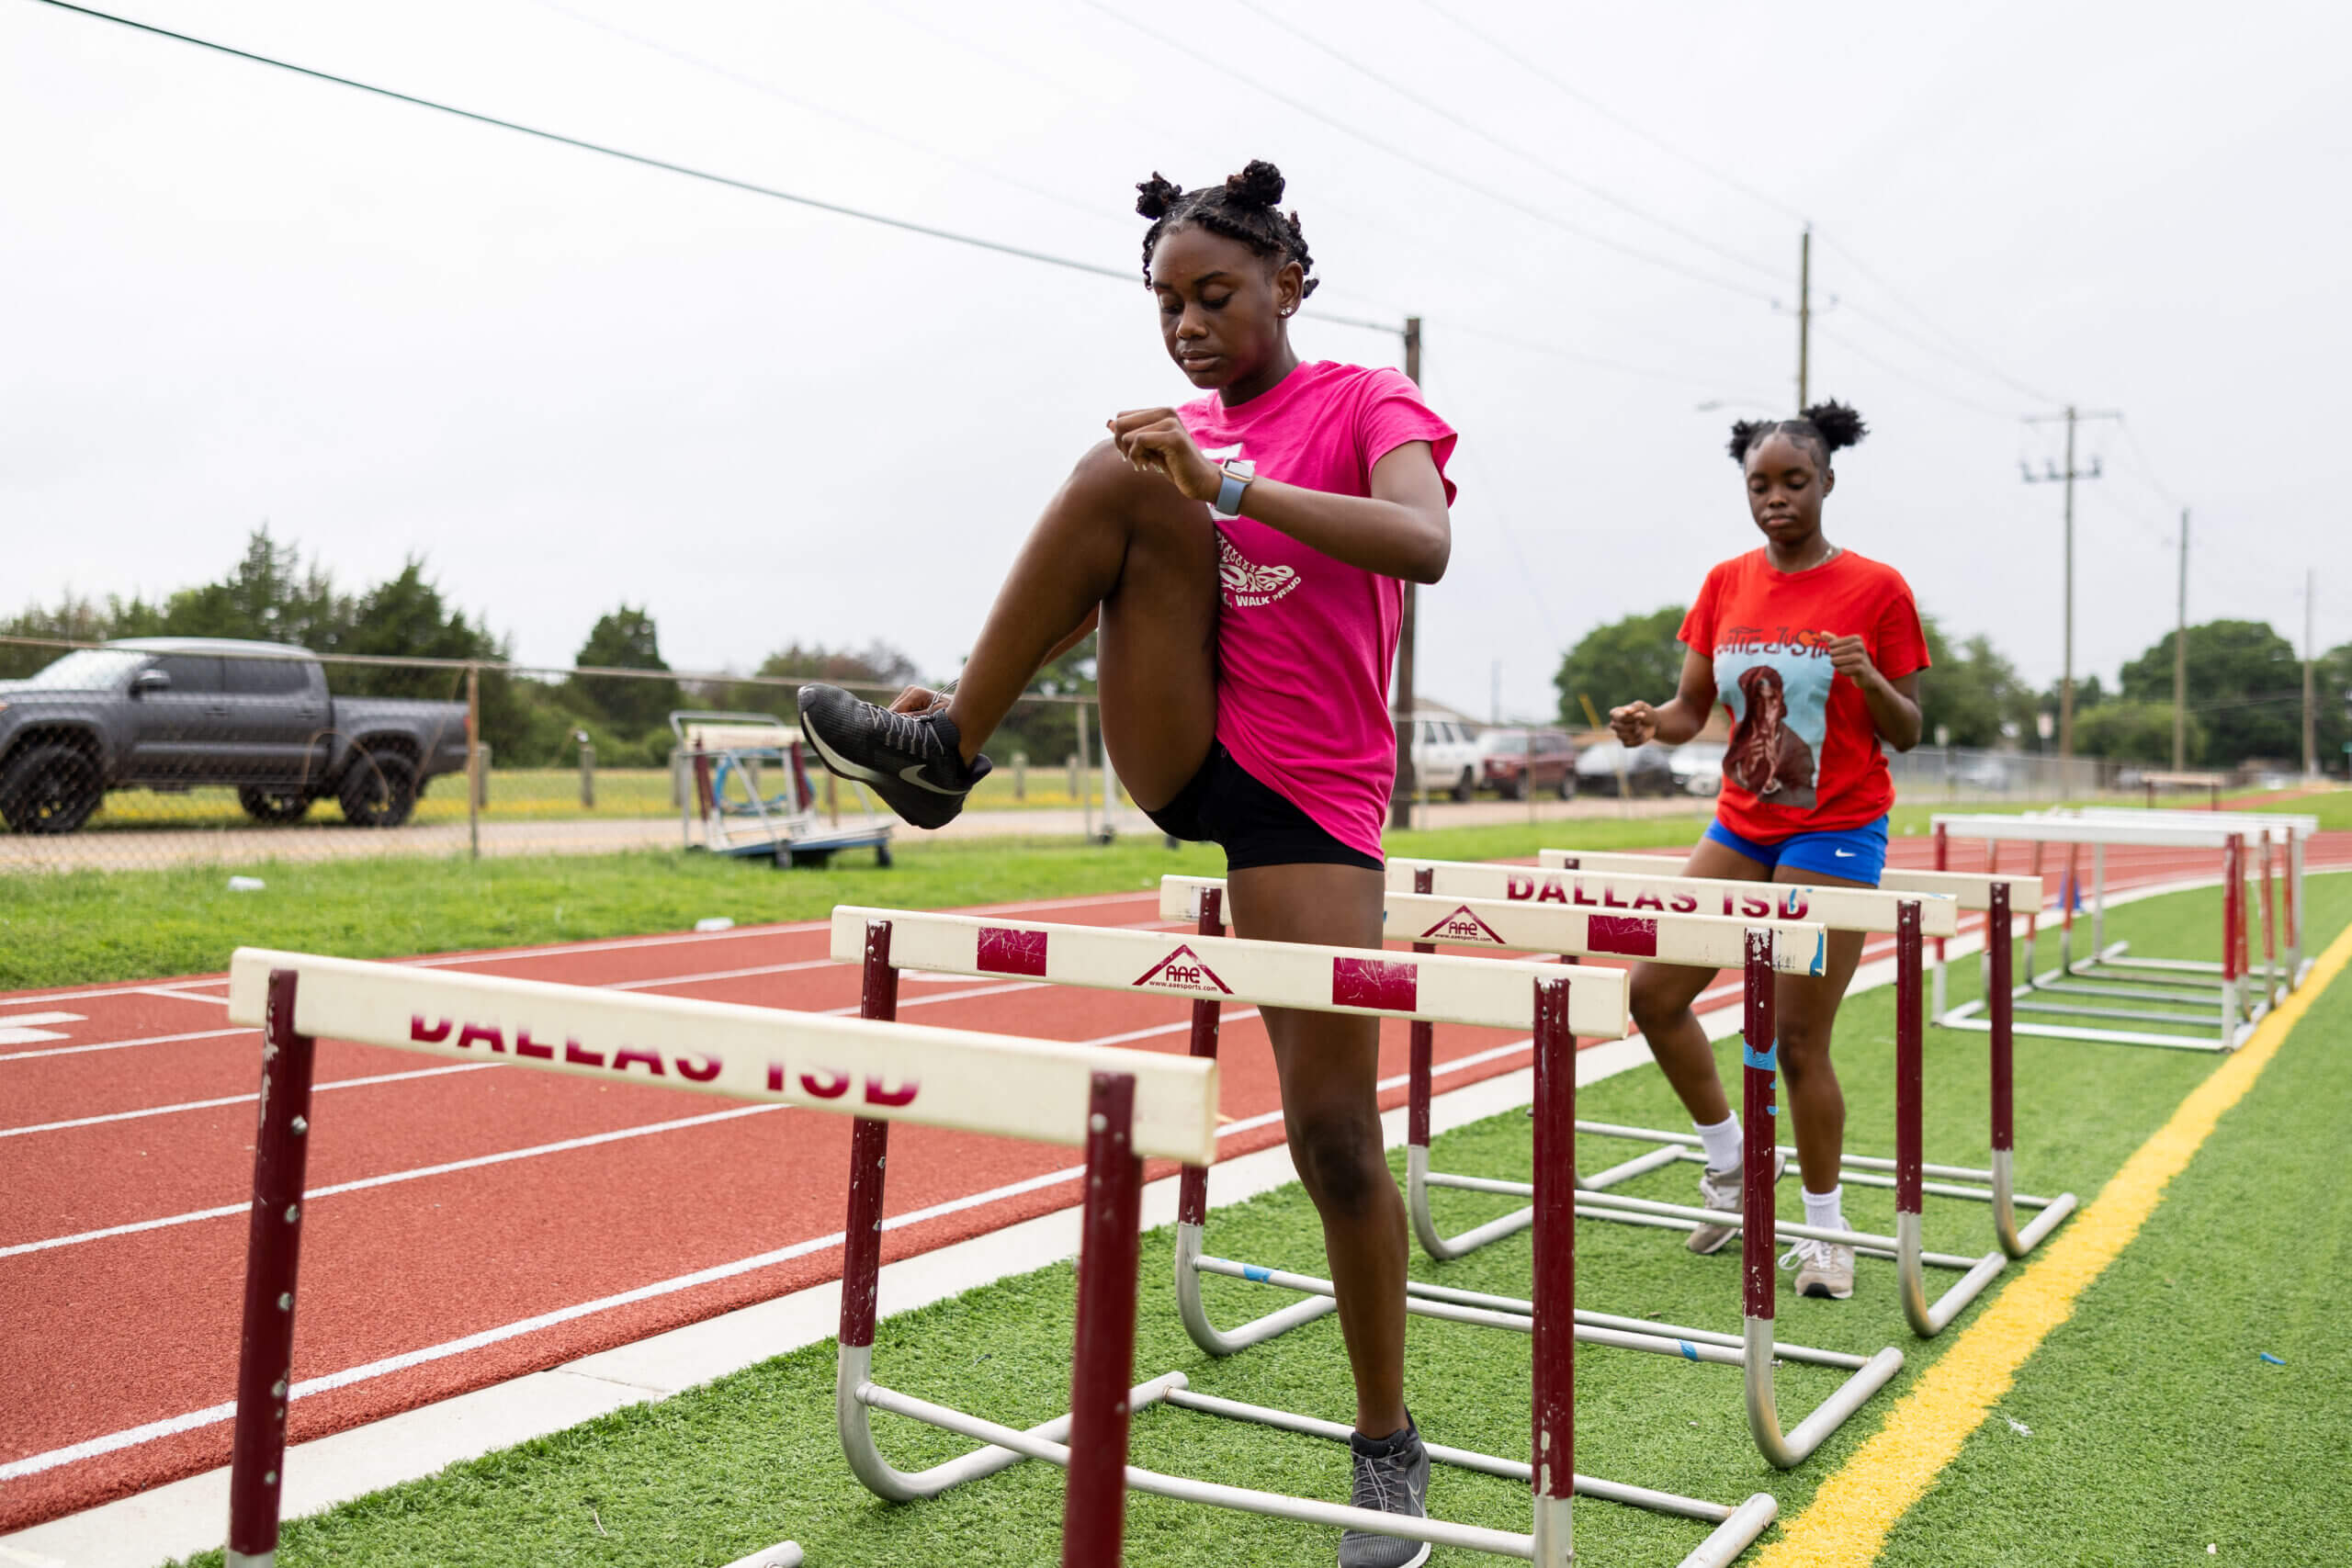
1223	804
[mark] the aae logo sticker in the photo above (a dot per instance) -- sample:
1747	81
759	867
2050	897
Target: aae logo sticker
1182	971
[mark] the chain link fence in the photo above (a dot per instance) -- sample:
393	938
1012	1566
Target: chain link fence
147	754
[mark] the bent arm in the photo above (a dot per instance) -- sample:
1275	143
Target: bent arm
1401	529
1675	721
1895	708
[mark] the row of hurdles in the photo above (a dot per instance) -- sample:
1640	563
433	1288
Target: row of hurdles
1123	1106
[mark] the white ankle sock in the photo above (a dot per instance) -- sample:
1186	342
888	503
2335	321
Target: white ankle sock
1721	1142
1823	1209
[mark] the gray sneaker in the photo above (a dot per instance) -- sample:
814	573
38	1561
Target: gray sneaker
1724	1191
1395	1482
1824	1269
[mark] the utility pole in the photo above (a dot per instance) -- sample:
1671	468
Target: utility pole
1400	804
1804	313
2180	659
2052	474
2310	736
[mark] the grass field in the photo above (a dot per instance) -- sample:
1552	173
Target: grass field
2146	1429
87	927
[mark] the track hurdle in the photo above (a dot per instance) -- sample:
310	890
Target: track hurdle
1120	1106
1684	937
2290	833
2205	996
1995	895
1212	969
1572	931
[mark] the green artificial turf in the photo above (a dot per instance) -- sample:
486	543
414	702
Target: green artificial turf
2155	1427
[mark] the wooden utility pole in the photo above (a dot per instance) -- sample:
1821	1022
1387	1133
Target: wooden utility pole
1400	804
2180	659
2311	733
2067	682
1804	313
473	762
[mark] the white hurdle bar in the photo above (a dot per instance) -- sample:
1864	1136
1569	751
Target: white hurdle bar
1551	929
2199	994
1119	1106
1212	969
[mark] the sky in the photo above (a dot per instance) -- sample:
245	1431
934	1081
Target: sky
570	383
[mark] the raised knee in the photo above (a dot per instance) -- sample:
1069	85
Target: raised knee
1340	1162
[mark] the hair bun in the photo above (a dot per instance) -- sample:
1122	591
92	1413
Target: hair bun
1154	196
1839	425
1259	184
1743	435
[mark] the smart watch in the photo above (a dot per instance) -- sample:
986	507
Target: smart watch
1238	475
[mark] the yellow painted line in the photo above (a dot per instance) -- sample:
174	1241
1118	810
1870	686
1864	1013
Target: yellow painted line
1848	1521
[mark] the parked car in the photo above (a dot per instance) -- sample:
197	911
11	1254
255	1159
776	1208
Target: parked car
176	713
1510	761
1699	767
1647	768
1445	756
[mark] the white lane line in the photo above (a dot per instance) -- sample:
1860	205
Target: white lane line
563	1146
124	1044
171	1427
31	1028
609	944
243	1098
364	1182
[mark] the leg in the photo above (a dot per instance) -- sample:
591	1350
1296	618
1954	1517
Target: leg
1132	548
1661	995
1330	1065
1807	1009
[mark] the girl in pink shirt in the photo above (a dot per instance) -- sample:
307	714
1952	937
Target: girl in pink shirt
1243	668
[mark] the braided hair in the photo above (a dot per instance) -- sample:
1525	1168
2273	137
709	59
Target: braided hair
1245	208
1827	427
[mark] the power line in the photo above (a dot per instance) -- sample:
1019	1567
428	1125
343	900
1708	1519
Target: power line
1557	173
1225	69
1958	400
1521	59
1574	357
1982	366
770	89
666	166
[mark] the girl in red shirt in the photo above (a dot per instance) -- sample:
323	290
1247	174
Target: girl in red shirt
1815	652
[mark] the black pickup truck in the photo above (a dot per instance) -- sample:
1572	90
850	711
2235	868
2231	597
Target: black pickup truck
181	713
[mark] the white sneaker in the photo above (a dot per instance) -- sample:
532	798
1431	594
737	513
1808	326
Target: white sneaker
1724	1191
1824	1270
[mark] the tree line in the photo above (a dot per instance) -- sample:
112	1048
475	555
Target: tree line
271	594
2244	686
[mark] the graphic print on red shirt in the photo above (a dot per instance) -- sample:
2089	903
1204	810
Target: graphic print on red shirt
1804	756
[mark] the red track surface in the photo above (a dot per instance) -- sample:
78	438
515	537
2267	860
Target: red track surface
689	1206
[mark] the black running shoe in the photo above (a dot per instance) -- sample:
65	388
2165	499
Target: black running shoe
911	759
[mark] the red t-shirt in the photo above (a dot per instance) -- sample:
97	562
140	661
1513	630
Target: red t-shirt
1805	757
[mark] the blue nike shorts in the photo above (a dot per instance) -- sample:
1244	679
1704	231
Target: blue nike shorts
1850	854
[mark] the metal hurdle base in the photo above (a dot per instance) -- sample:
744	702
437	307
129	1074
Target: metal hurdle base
2227	1018
1736	1527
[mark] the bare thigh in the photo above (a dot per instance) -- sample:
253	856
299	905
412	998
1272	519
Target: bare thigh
1156	650
1661	992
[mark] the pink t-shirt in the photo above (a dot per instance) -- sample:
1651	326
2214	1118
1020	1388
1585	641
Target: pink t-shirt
1306	643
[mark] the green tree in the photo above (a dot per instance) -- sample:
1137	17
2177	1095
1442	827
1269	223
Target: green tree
1974	694
2133	731
877	664
627	640
266	597
2245	682
1633	657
